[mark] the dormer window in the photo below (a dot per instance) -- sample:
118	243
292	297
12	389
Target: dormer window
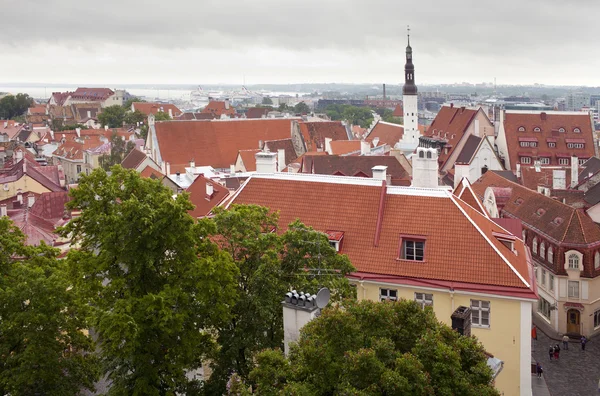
521	129
576	130
335	239
537	129
412	248
561	130
540	212
518	201
573	261
506	240
558	221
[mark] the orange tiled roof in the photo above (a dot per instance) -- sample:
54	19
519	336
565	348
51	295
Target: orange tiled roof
203	202
387	133
153	108
450	124
314	133
373	218
249	159
398	111
215	143
73	149
341	147
549	124
555	219
152	173
218	108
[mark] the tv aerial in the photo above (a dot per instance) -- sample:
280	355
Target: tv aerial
323	296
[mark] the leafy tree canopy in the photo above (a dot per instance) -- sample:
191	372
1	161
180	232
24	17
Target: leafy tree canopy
162	116
128	102
302	108
156	283
356	115
372	348
44	349
270	264
14	105
134	117
113	116
119	149
267	101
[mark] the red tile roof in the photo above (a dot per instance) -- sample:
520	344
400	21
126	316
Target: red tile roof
284	144
314	133
218	108
152	173
386	133
452	229
133	159
153	108
37	110
450	125
73	149
558	221
50	205
249	159
215	143
398	111
549	124
199	197
464	191
257	112
531	179
92	94
31	169
341	147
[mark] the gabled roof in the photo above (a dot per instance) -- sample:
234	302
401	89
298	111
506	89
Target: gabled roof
398	111
37	110
556	220
549	124
153	108
73	149
314	133
92	94
31	169
469	149
151	173
341	147
283	144
257	112
387	133
450	125
133	159
373	217
464	191
532	178
50	205
195	116
215	142
354	166
199	197
249	159
218	108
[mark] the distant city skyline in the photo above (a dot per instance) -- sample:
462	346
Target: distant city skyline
518	43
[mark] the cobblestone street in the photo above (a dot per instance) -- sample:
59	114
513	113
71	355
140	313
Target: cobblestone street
576	373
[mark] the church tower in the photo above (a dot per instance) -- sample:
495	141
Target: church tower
410	139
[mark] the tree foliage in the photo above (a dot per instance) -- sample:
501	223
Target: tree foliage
119	149
270	264
267	101
372	348
156	283
134	117
43	346
302	108
128	102
14	105
161	116
362	116
387	115
113	116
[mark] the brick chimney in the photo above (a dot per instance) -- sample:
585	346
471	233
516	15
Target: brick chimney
266	162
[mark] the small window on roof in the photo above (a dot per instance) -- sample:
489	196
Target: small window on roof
521	129
577	130
558	221
537	129
540	212
518	201
561	130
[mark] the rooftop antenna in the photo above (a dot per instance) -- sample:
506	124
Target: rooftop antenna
323	296
408	33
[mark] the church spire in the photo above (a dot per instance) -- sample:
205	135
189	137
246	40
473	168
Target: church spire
409	70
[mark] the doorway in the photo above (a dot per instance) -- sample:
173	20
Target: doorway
573	318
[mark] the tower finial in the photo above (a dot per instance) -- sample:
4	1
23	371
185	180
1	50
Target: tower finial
408	33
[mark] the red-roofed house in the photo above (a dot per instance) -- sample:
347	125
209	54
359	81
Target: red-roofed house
419	244
205	194
565	245
219	108
315	133
387	133
27	176
551	137
153	108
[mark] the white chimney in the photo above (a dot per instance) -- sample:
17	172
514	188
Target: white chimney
168	169
574	171
538	166
232	169
266	162
379	172
460	171
163	167
298	310
476	131
518	171
559	179
78	132
425	168
30	200
226	104
365	148
20	198
193	165
281	160
18	155
328	146
89	114
106	127
171	113
209	189
3	211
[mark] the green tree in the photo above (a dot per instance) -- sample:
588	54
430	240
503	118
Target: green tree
267	101
134	117
283	107
156	283
373	348
118	151
270	264
128	102
43	347
14	105
362	116
162	116
302	108
113	116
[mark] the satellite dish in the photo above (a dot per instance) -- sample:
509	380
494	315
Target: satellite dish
323	297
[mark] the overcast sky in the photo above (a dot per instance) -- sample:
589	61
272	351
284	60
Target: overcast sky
277	41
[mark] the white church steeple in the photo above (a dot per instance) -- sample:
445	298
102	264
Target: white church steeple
410	139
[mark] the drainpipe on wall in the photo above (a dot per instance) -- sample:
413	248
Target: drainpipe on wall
362	285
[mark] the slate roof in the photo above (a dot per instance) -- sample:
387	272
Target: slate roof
215	143
468	150
556	220
373	217
204	203
549	124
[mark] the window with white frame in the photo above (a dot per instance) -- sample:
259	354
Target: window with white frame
424	299
551	144
521	129
524	144
544	308
577	130
582	161
561	130
550	254
563	161
573	261
543	249
388	294
575	145
550	281
596	260
597	319
537	129
573	287
533	144
544	160
526	160
480	313
534	245
543	277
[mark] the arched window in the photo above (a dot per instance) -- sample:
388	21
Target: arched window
537	129
561	130
542	250
429	154
596	260
577	130
573	261
521	129
550	254
421	154
534	247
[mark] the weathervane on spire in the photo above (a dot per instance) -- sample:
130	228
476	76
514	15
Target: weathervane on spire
408	33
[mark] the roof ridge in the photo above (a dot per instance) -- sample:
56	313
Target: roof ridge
581	225
488	240
568	226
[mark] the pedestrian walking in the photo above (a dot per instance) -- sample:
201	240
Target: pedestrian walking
534	333
556	352
540	370
565	340
583	342
551	352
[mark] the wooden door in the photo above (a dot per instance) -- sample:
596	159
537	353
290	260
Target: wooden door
573	317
